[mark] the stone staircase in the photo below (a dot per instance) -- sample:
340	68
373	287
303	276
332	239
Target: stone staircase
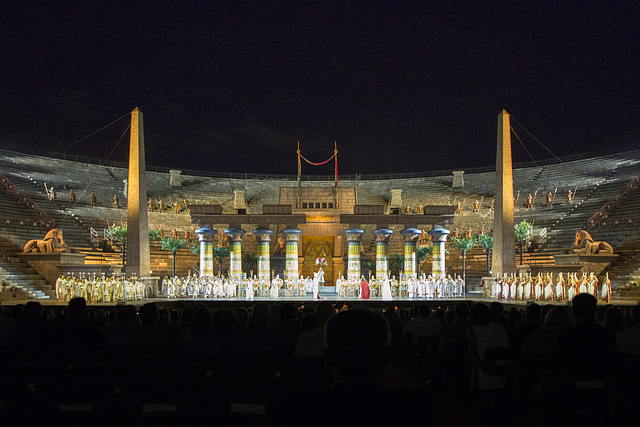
20	281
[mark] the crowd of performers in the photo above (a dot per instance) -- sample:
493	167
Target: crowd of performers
120	288
430	287
544	288
101	289
248	288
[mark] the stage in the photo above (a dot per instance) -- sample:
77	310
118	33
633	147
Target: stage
338	301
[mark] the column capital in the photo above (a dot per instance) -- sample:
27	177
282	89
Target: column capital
292	234
382	234
263	234
439	235
205	234
411	234
354	234
235	234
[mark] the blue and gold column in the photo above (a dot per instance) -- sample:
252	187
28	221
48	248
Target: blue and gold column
411	236
292	237
382	248
263	235
438	238
235	252
354	236
205	236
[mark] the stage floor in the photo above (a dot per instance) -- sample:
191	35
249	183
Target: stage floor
375	302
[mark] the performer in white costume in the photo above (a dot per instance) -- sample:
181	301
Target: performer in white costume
386	290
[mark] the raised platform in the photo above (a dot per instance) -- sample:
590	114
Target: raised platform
373	303
572	263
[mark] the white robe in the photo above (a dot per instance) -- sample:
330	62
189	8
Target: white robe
386	290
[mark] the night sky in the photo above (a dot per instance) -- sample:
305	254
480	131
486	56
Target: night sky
401	86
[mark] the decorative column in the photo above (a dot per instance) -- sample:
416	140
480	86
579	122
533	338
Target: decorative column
354	236
292	237
438	237
382	247
205	236
263	235
235	252
411	236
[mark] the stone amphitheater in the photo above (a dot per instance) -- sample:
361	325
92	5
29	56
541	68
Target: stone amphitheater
597	180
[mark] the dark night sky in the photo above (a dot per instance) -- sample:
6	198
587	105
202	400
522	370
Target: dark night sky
402	86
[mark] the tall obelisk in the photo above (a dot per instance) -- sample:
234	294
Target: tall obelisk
138	261
504	246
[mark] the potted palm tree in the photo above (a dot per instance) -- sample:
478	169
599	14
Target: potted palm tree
219	253
522	232
486	241
173	244
464	245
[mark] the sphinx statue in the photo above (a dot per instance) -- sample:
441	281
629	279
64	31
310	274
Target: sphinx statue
53	242
584	244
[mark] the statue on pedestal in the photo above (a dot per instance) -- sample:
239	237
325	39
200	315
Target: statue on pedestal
584	244
53	242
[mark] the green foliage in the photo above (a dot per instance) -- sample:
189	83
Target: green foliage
154	235
396	261
220	252
522	230
422	252
463	244
118	232
486	241
249	260
173	244
195	249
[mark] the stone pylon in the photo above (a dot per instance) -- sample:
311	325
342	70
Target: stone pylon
504	246
138	259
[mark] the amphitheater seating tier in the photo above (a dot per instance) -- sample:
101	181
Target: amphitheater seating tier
595	180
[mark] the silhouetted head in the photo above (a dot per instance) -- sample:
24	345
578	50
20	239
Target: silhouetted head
324	311
149	313
77	306
128	312
462	310
584	307
558	318
424	310
201	320
287	312
223	320
32	310
533	313
356	346
242	316
497	312
480	314
260	314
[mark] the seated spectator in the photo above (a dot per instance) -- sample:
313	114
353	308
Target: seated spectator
262	341
288	325
628	340
121	331
310	342
455	332
586	342
33	333
524	327
357	346
542	340
153	339
75	330
484	335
